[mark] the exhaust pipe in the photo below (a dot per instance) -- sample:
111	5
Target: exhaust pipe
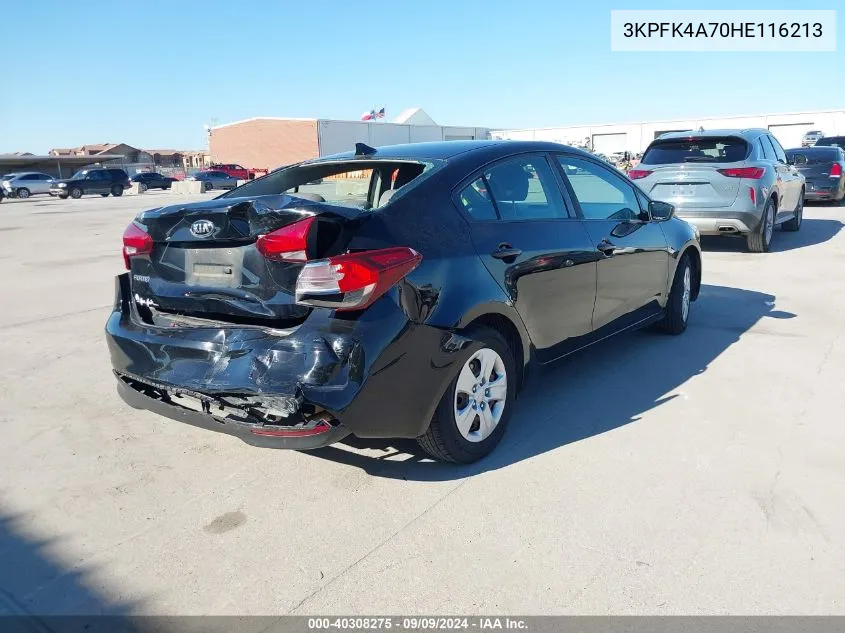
727	229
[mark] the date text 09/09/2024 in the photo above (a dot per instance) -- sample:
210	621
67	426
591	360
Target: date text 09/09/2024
416	623
723	29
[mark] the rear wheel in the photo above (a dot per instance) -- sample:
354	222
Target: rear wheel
795	223
680	297
23	193
117	191
105	195
760	240
142	187
206	186
473	414
75	193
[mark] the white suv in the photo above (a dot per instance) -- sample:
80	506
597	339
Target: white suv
26	183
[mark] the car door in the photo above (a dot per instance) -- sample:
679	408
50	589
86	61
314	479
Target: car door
534	246
792	179
632	251
42	184
96	182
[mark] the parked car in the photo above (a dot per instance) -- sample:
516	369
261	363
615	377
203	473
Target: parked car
827	141
823	169
290	320
212	179
92	181
152	180
235	171
26	183
725	182
810	138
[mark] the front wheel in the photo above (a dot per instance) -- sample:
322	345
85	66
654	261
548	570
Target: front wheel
76	193
795	223
472	415
206	186
142	187
104	195
23	193
760	240
680	297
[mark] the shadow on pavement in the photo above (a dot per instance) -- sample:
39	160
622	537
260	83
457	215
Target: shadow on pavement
38	590
813	231
589	393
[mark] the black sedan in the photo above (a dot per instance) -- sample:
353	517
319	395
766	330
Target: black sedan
404	296
152	180
823	168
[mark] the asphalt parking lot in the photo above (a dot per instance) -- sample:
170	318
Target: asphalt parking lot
700	474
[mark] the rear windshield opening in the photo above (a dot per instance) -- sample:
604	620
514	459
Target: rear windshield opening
696	150
815	155
361	184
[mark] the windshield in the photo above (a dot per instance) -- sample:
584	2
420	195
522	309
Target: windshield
80	175
711	149
347	183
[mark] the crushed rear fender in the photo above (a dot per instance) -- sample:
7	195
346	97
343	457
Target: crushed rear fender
378	375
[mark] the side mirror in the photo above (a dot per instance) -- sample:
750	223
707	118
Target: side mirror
660	211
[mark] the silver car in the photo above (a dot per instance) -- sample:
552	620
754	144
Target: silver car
26	183
725	182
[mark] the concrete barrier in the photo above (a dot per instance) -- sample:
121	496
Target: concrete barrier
186	186
242	182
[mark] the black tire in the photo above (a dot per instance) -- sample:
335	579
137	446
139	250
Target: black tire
23	193
104	195
62	197
142	187
757	241
116	191
75	193
206	186
165	188
443	440
795	223
675	320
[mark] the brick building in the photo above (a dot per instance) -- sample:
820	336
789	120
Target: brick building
268	142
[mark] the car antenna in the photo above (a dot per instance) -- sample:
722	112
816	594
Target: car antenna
361	149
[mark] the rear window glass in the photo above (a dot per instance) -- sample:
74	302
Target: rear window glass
831	140
362	184
713	149
816	155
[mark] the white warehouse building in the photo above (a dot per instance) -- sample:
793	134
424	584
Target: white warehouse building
635	137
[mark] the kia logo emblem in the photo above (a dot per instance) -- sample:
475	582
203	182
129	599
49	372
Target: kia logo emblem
202	228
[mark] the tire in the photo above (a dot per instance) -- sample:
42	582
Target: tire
75	193
444	440
165	188
760	240
62	197
23	193
680	298
105	195
795	223
206	186
116	191
142	187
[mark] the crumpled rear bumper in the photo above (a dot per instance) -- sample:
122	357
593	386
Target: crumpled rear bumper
380	375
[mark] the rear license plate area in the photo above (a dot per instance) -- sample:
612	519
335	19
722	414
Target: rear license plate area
683	191
216	267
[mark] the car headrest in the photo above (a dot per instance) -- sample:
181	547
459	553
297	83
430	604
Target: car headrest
385	197
509	183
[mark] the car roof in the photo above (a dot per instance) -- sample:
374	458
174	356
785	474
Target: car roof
747	133
447	150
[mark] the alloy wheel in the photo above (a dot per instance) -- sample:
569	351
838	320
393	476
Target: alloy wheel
770	224
480	395
686	293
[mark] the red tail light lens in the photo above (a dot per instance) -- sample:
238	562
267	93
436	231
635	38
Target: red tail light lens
636	174
753	195
754	173
355	280
836	170
288	244
136	241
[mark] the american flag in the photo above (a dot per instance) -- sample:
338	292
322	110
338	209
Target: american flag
372	115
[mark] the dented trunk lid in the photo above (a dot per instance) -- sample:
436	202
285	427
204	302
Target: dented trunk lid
205	263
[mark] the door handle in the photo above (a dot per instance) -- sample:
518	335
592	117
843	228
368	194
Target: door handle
506	251
606	247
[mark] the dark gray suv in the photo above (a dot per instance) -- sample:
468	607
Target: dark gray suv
725	182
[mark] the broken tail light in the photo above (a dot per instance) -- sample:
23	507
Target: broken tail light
136	241
355	280
755	173
287	244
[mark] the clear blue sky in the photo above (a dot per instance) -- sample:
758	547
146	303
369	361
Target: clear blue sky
152	73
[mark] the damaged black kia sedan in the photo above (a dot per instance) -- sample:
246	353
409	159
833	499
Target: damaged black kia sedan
394	292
